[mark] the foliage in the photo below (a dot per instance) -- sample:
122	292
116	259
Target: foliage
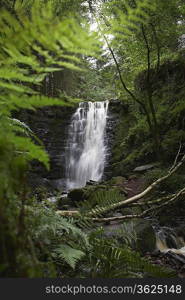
137	44
109	259
128	42
95	85
133	146
33	42
40	42
60	238
176	182
70	255
99	200
51	243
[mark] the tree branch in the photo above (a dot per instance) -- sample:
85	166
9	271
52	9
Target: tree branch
158	46
177	156
145	192
148	54
144	213
149	90
116	62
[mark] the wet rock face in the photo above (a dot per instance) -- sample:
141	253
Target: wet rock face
115	111
110	136
50	126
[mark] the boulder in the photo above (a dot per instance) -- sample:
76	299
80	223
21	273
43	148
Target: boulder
112	230
63	203
145	235
144	168
92	182
118	183
146	238
76	195
57	184
119	180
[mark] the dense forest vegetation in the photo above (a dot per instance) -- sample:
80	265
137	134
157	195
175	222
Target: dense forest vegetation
55	54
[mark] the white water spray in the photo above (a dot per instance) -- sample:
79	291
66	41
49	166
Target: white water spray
86	149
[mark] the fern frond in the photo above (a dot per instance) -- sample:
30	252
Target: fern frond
114	261
29	150
51	223
21	125
101	200
70	255
31	46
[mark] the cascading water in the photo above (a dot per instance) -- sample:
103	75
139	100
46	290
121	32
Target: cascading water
86	147
168	240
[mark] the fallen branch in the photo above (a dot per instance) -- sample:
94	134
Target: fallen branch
144	213
142	194
68	213
171	198
177	156
153	202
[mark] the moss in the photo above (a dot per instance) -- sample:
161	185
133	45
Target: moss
125	121
170	185
63	203
146	239
119	180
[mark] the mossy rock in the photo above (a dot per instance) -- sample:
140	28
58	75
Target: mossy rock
136	210
84	193
130	210
146	238
118	180
118	184
62	203
126	211
77	195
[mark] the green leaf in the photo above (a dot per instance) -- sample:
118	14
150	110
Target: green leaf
70	255
30	150
16	87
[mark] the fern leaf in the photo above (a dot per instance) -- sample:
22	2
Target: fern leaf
70	255
30	150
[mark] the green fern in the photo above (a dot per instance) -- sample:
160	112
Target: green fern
65	241
68	254
100	200
109	260
34	41
23	41
127	16
48	222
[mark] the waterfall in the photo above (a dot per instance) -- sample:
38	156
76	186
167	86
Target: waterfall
168	240
86	146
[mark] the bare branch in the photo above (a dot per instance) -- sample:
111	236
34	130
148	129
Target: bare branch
144	213
177	156
145	192
68	213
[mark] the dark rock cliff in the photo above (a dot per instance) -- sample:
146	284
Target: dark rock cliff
50	126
